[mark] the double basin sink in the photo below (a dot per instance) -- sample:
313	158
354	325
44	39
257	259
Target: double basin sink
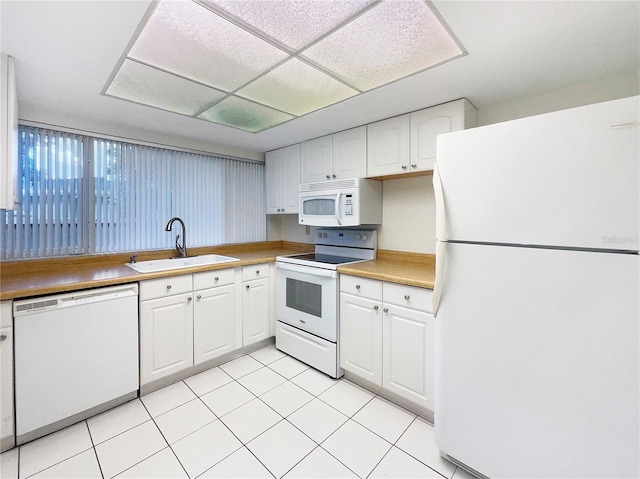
156	265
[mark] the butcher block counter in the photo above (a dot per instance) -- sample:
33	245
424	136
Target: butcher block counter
413	269
34	277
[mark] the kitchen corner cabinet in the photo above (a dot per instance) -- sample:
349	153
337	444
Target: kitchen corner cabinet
256	309
334	157
387	336
407	143
282	174
7	436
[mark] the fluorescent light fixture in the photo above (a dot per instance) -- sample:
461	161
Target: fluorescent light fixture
254	64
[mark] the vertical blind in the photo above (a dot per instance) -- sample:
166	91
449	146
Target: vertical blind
80	194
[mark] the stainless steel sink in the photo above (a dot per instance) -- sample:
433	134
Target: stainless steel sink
179	263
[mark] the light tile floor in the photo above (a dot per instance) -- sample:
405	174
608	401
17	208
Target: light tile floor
262	415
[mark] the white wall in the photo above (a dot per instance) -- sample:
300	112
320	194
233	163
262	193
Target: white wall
408	205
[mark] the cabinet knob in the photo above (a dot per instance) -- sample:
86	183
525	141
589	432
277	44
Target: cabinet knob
189	299
216	279
199	296
406	297
375	308
357	286
404	167
257	271
386	310
3	337
247	286
334	176
168	287
414	166
328	177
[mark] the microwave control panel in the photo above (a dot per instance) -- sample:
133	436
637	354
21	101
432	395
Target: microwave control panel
348	205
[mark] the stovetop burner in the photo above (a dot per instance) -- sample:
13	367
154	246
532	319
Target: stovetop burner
324	258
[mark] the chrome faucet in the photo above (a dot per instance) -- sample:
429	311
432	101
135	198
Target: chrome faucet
182	248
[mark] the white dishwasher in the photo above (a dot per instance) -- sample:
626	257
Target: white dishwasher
76	354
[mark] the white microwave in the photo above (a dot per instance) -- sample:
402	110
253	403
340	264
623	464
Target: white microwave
351	202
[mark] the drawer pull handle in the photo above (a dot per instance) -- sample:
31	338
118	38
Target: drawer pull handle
168	287
216	279
386	310
3	337
247	286
404	167
357	286
189	299
257	271
414	166
406	296
303	321
199	296
375	308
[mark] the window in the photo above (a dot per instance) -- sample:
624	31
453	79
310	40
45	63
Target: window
80	194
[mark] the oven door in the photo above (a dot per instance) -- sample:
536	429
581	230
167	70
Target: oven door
308	299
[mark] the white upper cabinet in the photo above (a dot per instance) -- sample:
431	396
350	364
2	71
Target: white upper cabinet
335	157
388	146
350	153
407	143
427	124
8	133
316	160
282	180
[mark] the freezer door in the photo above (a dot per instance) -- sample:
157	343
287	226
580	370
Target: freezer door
568	178
537	362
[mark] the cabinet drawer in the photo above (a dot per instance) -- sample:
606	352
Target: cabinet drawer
159	288
366	288
255	271
211	279
408	296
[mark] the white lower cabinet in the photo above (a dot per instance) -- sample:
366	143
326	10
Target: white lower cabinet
187	320
7	436
256	301
387	336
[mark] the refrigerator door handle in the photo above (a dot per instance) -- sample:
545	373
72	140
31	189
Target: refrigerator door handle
441	223
441	254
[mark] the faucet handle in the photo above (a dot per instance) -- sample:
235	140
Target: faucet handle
132	258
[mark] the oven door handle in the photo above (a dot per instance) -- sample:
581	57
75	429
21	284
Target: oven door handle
327	273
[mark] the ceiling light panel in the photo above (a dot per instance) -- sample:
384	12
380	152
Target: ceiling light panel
147	85
390	41
292	23
244	114
297	88
188	39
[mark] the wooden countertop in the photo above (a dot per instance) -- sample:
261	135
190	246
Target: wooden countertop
413	269
34	277
25	278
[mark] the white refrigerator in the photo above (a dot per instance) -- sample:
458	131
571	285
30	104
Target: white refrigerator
537	295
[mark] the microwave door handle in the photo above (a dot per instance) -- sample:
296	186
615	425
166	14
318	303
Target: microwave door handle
338	209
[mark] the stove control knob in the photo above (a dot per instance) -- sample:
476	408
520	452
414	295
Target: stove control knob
324	235
319	235
365	237
358	237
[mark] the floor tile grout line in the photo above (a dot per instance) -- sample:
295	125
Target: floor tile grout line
59	462
378	463
328	452
95	451
417	459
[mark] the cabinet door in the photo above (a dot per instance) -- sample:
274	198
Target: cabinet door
388	148
290	174
255	311
316	160
408	364
426	125
6	385
214	323
166	336
350	153
361	337
273	186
